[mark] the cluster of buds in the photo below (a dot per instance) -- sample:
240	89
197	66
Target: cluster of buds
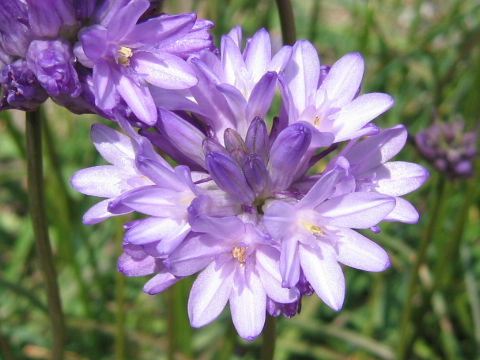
449	148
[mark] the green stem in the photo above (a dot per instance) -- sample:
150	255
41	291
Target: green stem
287	21
63	204
171	328
269	338
5	348
37	212
451	251
229	340
119	300
405	342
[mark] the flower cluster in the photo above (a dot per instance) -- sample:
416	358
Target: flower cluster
95	56
449	148
263	208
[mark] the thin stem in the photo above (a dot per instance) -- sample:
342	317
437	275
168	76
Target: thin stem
405	341
287	21
119	300
229	340
269	338
171	328
38	214
63	203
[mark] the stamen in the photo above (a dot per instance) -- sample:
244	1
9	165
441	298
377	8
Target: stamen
124	55
240	253
317	121
314	229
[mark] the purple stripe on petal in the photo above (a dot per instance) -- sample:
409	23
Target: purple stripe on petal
302	73
161	28
257	53
152	229
344	78
103	181
377	149
355	115
210	293
138	98
403	212
248	305
126	18
324	274
234	145
104	89
115	147
359	210
164	70
359	252
255	172
257	141
262	95
398	178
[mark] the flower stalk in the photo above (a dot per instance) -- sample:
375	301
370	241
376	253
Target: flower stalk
287	21
405	343
269	338
39	221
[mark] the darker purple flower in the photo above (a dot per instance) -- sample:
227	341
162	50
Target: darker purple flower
52	63
48	18
20	88
449	148
15	33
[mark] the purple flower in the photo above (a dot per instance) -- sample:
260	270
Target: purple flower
15	33
240	268
126	56
234	87
369	165
52	62
449	148
316	234
330	102
109	181
20	88
47	18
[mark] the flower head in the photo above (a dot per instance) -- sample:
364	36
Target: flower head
449	148
243	208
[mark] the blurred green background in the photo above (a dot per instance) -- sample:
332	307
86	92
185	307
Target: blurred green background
426	54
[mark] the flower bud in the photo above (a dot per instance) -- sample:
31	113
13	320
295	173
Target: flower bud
52	63
20	88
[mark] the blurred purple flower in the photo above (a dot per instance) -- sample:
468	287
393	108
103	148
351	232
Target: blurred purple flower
449	148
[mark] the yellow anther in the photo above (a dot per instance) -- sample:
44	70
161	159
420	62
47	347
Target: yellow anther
317	121
124	55
240	253
314	229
